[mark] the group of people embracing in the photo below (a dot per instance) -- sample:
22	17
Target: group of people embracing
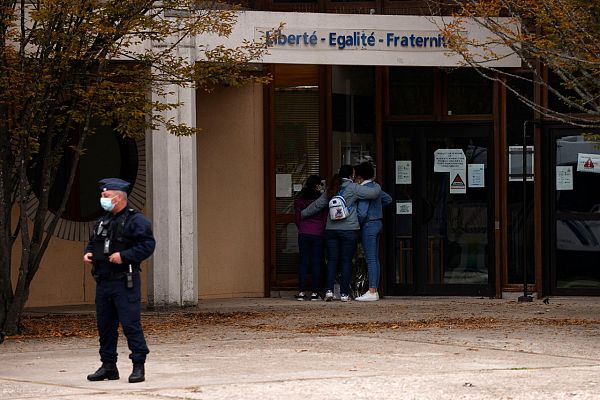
364	200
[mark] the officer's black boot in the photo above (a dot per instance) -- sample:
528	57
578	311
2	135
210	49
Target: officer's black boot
137	375
106	371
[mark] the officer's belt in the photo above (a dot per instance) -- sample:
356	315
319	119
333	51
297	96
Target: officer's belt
111	276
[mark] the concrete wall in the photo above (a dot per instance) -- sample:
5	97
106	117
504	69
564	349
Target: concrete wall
231	193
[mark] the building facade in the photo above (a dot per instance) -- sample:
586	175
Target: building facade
350	84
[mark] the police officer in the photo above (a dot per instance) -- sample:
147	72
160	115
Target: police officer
121	240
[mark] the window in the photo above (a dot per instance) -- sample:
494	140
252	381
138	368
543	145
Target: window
468	92
296	156
411	91
353	115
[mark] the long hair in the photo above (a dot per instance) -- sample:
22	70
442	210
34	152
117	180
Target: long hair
365	170
310	191
346	172
334	187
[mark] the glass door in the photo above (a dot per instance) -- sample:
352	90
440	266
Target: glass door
441	180
295	155
575	212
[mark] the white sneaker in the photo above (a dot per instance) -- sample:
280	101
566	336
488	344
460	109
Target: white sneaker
368	296
329	295
344	297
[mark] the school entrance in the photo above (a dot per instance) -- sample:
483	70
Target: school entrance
439	232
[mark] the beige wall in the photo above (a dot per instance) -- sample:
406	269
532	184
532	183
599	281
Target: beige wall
62	279
231	193
230	211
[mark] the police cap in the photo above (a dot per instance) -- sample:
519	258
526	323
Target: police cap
114	184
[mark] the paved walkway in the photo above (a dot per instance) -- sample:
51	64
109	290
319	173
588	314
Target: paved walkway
400	348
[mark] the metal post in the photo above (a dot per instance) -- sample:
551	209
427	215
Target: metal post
526	297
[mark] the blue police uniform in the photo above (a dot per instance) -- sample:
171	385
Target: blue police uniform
118	288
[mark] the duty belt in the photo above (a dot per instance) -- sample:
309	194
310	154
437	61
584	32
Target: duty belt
111	276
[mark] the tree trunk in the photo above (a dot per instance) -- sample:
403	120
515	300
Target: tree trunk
12	324
6	293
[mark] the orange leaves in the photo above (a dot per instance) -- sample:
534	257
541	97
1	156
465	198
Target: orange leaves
84	325
299	321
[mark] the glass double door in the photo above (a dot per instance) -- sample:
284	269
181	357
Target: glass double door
573	219
439	230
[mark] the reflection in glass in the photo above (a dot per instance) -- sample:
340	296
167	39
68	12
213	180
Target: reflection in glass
457	224
403	228
411	91
585	196
296	141
296	115
516	114
577	253
353	115
468	92
286	249
578	222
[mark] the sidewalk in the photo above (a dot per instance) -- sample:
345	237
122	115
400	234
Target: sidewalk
398	348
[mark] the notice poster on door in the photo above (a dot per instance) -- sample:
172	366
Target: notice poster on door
403	172
588	163
404	207
476	175
283	185
454	162
458	182
564	177
446	160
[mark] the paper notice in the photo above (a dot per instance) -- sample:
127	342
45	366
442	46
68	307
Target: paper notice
564	177
283	185
476	175
404	207
403	172
588	163
446	160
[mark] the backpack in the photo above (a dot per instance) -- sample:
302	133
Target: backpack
337	207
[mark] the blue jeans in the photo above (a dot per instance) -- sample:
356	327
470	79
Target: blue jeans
311	252
370	242
341	246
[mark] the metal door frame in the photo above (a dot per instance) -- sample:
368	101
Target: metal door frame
418	133
550	133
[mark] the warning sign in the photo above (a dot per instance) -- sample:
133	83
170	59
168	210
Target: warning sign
454	162
458	181
588	163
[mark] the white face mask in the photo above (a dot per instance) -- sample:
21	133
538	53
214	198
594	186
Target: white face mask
106	203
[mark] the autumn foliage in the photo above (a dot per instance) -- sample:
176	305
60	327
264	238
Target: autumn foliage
558	41
64	64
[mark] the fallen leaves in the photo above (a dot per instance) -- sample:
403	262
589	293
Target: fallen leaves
84	325
373	326
164	322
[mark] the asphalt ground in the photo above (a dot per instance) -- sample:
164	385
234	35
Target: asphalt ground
397	348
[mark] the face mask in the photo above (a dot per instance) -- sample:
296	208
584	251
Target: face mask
106	203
